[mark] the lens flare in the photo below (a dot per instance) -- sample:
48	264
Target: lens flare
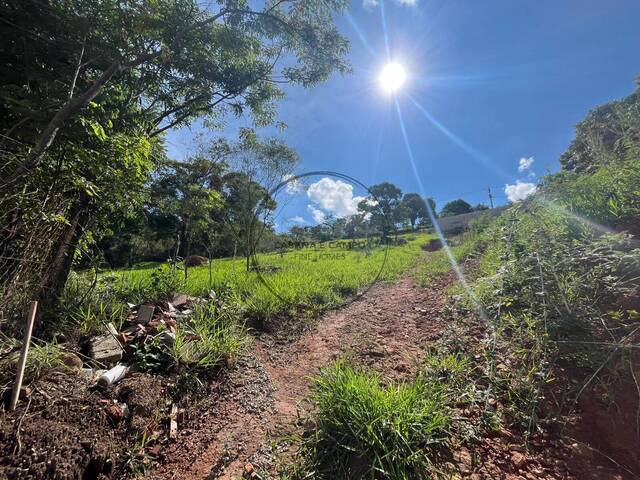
392	77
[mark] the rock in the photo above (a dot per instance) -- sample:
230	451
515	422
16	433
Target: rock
145	314
180	300
106	348
402	367
166	338
115	412
25	392
72	361
518	460
248	469
195	261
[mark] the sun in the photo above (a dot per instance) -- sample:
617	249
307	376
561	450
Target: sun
392	77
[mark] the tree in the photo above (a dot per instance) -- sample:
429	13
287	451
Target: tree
89	87
455	207
175	60
190	192
416	208
259	166
297	233
382	206
357	226
479	207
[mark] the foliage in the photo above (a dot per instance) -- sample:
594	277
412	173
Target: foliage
211	338
455	207
416	208
610	196
384	206
609	133
43	358
364	429
547	281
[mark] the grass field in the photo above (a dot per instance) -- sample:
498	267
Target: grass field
316	278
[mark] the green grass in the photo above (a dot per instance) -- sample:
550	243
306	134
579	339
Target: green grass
435	264
211	338
315	278
364	429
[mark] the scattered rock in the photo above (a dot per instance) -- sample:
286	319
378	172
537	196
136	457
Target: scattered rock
195	261
72	361
116	411
518	460
166	338
145	314
106	349
180	300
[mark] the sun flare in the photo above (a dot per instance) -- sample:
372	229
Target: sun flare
392	77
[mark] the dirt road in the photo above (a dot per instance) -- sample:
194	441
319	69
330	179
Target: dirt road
387	329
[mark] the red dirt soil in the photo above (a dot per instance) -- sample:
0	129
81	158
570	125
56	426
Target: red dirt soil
239	424
387	329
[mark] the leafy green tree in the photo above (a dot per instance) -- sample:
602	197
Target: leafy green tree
172	60
479	207
383	206
416	208
297	233
259	167
189	192
357	226
455	207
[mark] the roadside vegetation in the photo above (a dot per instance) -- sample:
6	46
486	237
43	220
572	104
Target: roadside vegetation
310	278
554	287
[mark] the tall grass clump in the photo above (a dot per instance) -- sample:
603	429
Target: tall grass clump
364	429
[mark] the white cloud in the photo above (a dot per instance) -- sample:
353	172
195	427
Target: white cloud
525	164
519	190
334	196
370	4
297	219
293	185
317	214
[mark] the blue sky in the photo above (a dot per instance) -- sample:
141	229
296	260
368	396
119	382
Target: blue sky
489	83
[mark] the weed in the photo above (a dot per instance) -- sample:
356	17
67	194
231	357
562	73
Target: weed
364	429
43	358
210	339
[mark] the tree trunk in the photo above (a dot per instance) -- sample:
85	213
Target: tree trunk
53	285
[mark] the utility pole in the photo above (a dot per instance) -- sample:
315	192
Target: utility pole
490	197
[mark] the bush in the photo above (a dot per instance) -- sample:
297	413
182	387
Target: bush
364	429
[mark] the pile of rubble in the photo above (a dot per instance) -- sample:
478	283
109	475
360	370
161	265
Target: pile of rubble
109	354
146	322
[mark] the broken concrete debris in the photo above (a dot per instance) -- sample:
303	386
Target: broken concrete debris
106	348
145	314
